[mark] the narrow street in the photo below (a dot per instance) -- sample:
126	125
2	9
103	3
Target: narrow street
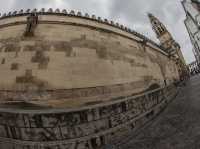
178	127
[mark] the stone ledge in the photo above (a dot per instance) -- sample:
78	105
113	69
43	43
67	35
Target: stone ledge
118	123
79	139
52	144
46	111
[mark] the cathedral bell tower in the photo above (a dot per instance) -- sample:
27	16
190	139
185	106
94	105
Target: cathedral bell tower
165	38
162	33
169	44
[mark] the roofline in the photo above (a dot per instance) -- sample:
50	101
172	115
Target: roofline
72	13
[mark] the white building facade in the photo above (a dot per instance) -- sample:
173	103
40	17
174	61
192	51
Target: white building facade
192	23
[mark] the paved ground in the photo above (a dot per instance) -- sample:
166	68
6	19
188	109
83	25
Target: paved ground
178	127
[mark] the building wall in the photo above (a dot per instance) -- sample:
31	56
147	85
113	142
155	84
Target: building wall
72	61
192	24
90	127
74	53
194	68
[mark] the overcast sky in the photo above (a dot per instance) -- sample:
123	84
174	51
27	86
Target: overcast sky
132	13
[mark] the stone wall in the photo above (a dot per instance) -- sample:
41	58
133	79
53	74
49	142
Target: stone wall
90	127
73	56
69	81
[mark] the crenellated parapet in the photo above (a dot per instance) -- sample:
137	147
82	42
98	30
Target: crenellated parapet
72	13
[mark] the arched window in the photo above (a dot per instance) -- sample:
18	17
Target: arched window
163	29
160	30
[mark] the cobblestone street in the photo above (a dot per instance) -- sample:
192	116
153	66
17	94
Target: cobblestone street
178	127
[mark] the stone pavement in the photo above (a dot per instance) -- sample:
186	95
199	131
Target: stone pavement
178	127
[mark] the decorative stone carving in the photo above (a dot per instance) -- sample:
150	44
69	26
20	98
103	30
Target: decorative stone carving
28	11
57	10
117	24
87	15
94	17
122	27
64	11
34	10
112	23
50	10
14	13
134	32
9	14
42	10
32	21
99	19
21	11
72	12
106	21
79	14
125	28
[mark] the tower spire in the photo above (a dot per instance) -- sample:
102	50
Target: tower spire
161	32
165	38
157	26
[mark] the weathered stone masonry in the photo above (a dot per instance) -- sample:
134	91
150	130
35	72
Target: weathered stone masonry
85	128
71	56
89	82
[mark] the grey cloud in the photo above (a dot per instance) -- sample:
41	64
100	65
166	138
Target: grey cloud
133	10
170	12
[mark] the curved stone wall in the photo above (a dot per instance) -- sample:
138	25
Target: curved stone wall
67	56
57	69
90	127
